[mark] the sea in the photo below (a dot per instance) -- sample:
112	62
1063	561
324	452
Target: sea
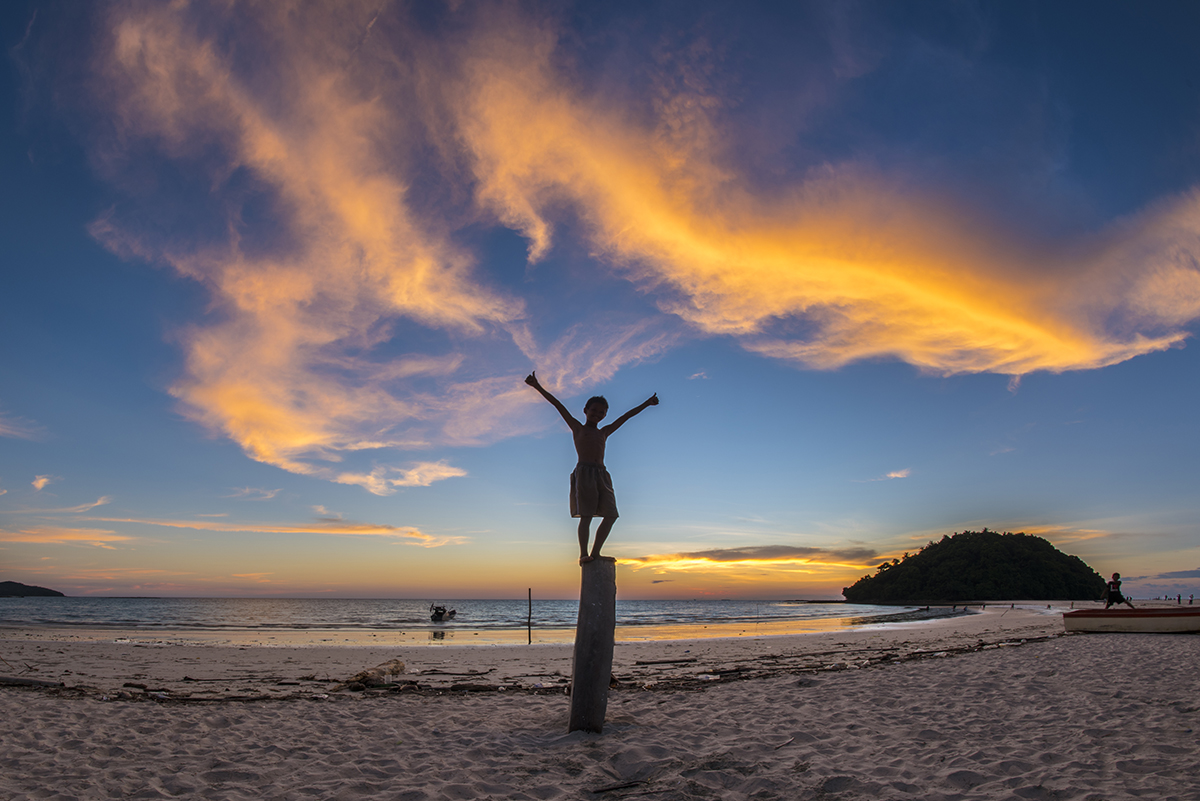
474	621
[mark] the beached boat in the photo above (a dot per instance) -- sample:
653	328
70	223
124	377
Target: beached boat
438	613
1161	620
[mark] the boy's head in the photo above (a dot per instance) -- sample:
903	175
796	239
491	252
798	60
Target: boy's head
596	408
1116	575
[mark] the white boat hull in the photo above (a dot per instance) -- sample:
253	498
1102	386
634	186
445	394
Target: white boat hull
1152	620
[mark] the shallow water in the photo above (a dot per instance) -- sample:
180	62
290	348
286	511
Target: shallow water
495	620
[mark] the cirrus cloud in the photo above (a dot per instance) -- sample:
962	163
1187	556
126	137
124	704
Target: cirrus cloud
332	187
325	526
60	535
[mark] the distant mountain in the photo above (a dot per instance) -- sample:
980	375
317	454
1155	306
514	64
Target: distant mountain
981	566
14	589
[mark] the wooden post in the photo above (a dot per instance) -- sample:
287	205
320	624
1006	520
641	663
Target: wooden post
594	634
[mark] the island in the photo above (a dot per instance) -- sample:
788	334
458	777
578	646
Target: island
980	566
15	589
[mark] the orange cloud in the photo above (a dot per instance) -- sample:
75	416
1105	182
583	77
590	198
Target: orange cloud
323	526
349	316
865	269
57	535
39	482
286	370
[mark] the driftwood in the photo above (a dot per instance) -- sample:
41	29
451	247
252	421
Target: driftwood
379	674
30	682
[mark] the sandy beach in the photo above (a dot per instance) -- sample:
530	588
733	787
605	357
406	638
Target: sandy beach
995	705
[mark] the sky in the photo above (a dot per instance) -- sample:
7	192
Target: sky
273	274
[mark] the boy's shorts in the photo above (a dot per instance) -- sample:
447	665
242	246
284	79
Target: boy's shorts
592	492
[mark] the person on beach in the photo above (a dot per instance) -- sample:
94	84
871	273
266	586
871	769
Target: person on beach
1112	594
591	486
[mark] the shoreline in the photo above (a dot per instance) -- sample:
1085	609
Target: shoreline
461	633
179	666
997	706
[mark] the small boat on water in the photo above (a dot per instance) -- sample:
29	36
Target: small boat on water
438	613
1157	620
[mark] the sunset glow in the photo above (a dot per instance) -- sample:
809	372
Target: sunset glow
893	275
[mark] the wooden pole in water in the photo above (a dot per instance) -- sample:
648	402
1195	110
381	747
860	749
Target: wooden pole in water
529	622
594	634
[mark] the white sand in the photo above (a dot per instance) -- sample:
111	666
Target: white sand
936	711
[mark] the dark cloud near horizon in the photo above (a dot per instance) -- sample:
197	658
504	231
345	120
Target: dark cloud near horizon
1177	574
777	553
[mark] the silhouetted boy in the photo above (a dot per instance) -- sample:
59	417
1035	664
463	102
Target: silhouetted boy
591	487
1113	595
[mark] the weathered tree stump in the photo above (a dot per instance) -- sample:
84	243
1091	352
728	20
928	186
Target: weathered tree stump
594	634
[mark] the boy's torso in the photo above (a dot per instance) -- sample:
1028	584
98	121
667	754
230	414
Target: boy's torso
589	444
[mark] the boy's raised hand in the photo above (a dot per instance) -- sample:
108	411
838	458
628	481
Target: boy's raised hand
652	400
531	379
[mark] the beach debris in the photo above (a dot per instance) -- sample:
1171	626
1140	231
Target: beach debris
378	675
437	672
789	742
15	680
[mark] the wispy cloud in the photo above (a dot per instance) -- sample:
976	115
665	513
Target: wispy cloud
289	374
58	535
758	555
323	526
420	475
253	493
905	473
341	170
17	428
83	507
260	578
871	268
39	483
1061	534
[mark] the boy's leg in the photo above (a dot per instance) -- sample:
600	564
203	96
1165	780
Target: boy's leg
601	535
585	525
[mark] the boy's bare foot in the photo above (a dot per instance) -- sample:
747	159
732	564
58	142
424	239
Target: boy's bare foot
585	559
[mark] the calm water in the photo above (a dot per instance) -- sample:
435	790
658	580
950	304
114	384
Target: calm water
326	614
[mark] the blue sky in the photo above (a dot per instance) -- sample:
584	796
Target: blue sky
273	278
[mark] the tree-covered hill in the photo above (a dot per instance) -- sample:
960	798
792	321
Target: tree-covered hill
981	566
15	589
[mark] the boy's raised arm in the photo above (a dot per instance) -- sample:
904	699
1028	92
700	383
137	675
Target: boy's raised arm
532	381
620	421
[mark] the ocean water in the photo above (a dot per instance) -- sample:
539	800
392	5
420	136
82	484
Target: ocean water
260	615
